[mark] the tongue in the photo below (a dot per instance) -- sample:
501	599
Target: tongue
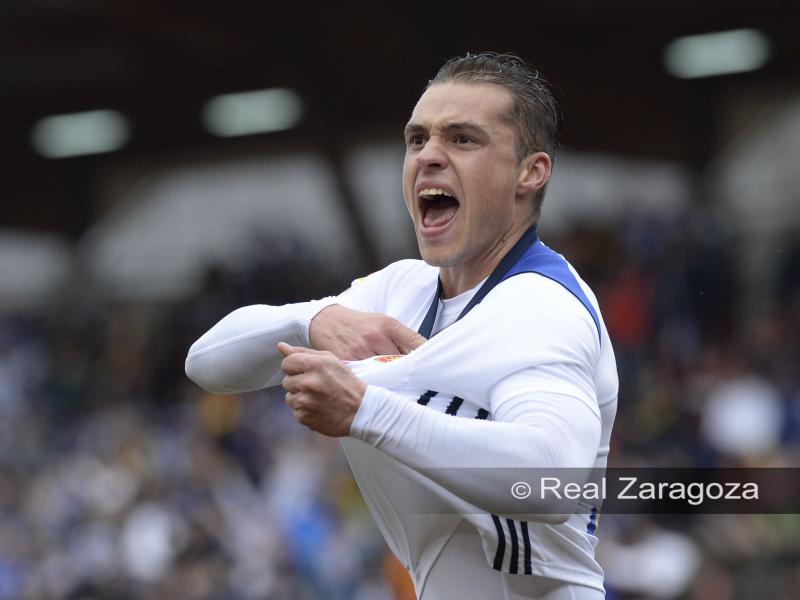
439	213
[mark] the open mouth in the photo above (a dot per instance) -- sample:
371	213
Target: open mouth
437	207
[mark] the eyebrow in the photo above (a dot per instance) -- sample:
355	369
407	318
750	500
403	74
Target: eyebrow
414	128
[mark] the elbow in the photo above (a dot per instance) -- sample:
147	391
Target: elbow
192	370
217	376
203	372
238	354
199	373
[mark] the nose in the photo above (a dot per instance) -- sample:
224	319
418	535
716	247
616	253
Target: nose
432	155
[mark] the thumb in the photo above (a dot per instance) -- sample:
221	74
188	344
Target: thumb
288	350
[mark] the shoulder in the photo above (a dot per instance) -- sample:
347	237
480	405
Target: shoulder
397	286
406	272
411	267
545	290
537	308
401	268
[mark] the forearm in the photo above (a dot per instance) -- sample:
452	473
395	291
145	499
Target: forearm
239	353
445	448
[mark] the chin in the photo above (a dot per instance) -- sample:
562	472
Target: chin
436	258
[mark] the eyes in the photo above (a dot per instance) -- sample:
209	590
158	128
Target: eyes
417	140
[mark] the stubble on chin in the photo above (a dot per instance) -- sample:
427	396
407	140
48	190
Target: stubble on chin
438	259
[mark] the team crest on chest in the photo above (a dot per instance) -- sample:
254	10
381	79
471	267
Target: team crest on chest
388	358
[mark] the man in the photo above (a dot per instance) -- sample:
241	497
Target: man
510	366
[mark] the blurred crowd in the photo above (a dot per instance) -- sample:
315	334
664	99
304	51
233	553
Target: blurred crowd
120	479
709	378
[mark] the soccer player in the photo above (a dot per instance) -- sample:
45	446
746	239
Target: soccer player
487	355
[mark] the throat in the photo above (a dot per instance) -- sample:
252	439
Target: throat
456	284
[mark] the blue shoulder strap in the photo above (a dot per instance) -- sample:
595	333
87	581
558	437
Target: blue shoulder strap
529	255
544	261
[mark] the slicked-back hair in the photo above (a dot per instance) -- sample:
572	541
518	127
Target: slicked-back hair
535	113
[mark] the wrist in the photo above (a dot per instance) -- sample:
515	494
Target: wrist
309	324
363	419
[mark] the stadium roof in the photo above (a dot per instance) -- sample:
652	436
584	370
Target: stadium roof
359	68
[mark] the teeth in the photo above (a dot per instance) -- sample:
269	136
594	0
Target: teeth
433	192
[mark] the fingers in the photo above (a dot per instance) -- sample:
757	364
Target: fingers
322	393
295	364
413	342
298	392
303	414
383	346
387	335
297	404
405	339
300	359
292	384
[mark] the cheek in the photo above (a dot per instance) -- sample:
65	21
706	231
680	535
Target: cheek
408	204
494	200
485	190
408	165
409	174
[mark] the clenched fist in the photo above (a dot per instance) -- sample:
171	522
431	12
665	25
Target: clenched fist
323	393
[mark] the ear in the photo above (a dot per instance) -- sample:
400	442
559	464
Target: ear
534	174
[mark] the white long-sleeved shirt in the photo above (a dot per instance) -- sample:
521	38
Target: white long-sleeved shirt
527	369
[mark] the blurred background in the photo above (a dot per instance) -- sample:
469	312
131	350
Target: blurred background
166	162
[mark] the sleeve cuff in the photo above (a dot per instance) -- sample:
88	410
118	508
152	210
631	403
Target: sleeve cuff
363	424
310	310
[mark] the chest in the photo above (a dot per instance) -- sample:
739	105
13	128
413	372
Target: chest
451	396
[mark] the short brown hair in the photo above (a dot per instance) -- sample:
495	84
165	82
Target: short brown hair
535	112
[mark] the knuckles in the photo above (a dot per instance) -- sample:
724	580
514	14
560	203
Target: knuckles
300	408
312	384
302	416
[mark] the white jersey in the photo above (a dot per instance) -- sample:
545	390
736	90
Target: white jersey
526	379
459	372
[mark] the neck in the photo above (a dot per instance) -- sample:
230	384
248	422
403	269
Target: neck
454	284
460	278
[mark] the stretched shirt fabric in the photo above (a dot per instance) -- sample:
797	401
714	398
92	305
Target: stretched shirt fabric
525	378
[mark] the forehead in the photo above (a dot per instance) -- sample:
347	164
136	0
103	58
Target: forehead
485	104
